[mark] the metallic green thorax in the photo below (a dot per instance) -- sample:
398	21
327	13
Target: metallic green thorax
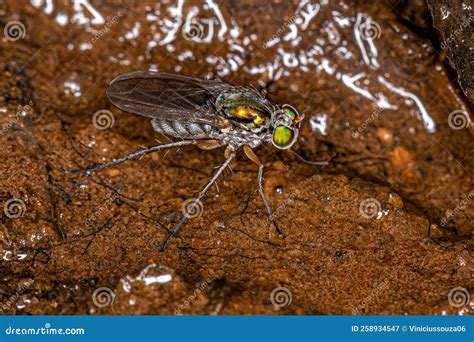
247	109
258	115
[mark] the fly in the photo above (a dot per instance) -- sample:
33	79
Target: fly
208	114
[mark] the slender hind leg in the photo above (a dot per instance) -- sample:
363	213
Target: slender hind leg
133	155
253	157
173	232
300	157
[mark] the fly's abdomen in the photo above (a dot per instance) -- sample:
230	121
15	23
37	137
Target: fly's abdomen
182	129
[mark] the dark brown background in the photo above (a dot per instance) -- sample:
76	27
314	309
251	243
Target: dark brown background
79	233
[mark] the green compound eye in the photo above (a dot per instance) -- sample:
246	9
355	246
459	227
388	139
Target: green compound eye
283	137
290	111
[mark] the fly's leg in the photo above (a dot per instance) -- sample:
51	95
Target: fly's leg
253	157
191	208
133	155
208	144
310	162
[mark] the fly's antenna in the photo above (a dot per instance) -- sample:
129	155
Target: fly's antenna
306	109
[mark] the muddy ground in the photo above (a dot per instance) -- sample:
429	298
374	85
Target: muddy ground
385	228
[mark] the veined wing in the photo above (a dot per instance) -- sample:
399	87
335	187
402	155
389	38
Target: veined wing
169	96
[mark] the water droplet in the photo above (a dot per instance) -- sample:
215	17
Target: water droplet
22	302
127	286
153	274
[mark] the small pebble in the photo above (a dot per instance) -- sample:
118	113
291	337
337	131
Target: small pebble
280	166
385	136
395	200
113	172
403	162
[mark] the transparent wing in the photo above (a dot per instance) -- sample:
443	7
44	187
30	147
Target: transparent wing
169	96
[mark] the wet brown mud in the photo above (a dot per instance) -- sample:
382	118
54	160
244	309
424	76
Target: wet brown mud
385	228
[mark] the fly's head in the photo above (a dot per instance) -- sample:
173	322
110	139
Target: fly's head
286	123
